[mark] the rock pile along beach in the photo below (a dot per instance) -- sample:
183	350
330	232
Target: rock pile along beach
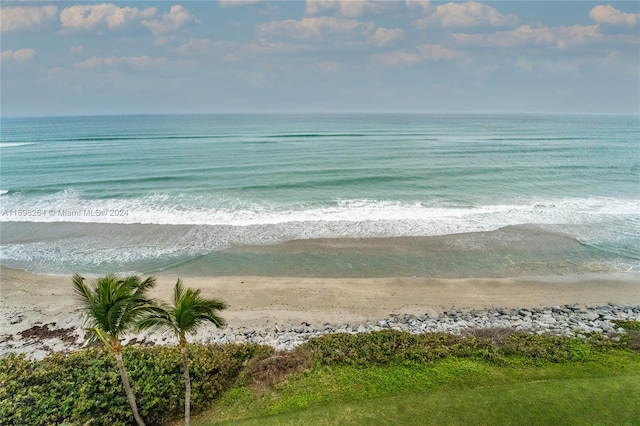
566	320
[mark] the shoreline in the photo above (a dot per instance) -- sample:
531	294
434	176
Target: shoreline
220	251
40	315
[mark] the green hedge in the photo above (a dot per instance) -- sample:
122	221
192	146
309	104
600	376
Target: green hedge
86	385
392	347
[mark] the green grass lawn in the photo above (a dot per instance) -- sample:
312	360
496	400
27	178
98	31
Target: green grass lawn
448	392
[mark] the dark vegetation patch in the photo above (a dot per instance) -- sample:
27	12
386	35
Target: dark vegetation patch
273	369
43	332
633	332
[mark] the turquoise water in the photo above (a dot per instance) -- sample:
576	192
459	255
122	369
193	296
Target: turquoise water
222	194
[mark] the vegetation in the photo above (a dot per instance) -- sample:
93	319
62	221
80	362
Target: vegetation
390	378
449	392
369	378
188	312
85	385
628	325
112	306
633	332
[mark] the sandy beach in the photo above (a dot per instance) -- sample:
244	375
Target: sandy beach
34	307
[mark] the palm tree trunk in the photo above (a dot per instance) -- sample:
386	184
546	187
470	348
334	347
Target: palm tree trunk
187	385
127	389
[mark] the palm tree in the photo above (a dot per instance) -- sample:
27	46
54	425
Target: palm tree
188	312
112	307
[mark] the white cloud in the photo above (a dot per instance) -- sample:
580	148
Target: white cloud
470	14
20	55
385	36
234	3
348	8
109	16
436	52
99	16
316	28
26	18
138	62
423	5
176	18
423	53
610	15
525	35
577	34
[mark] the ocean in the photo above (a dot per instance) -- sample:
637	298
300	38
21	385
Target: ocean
334	195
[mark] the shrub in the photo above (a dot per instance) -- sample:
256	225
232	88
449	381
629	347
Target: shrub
391	346
382	347
85	385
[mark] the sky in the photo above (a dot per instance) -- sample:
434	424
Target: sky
328	56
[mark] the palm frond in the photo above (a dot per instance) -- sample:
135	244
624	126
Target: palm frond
188	312
157	318
112	305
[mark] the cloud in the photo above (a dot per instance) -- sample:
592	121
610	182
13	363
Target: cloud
327	28
348	8
521	36
612	16
525	35
20	55
422	53
109	16
26	18
99	16
266	47
234	3
436	52
397	59
176	18
138	62
470	14
315	28
385	36
423	5
576	35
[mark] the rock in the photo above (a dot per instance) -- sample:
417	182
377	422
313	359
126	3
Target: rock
591	316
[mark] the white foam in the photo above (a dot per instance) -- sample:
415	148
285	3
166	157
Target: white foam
68	206
354	218
3	191
235	222
14	144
